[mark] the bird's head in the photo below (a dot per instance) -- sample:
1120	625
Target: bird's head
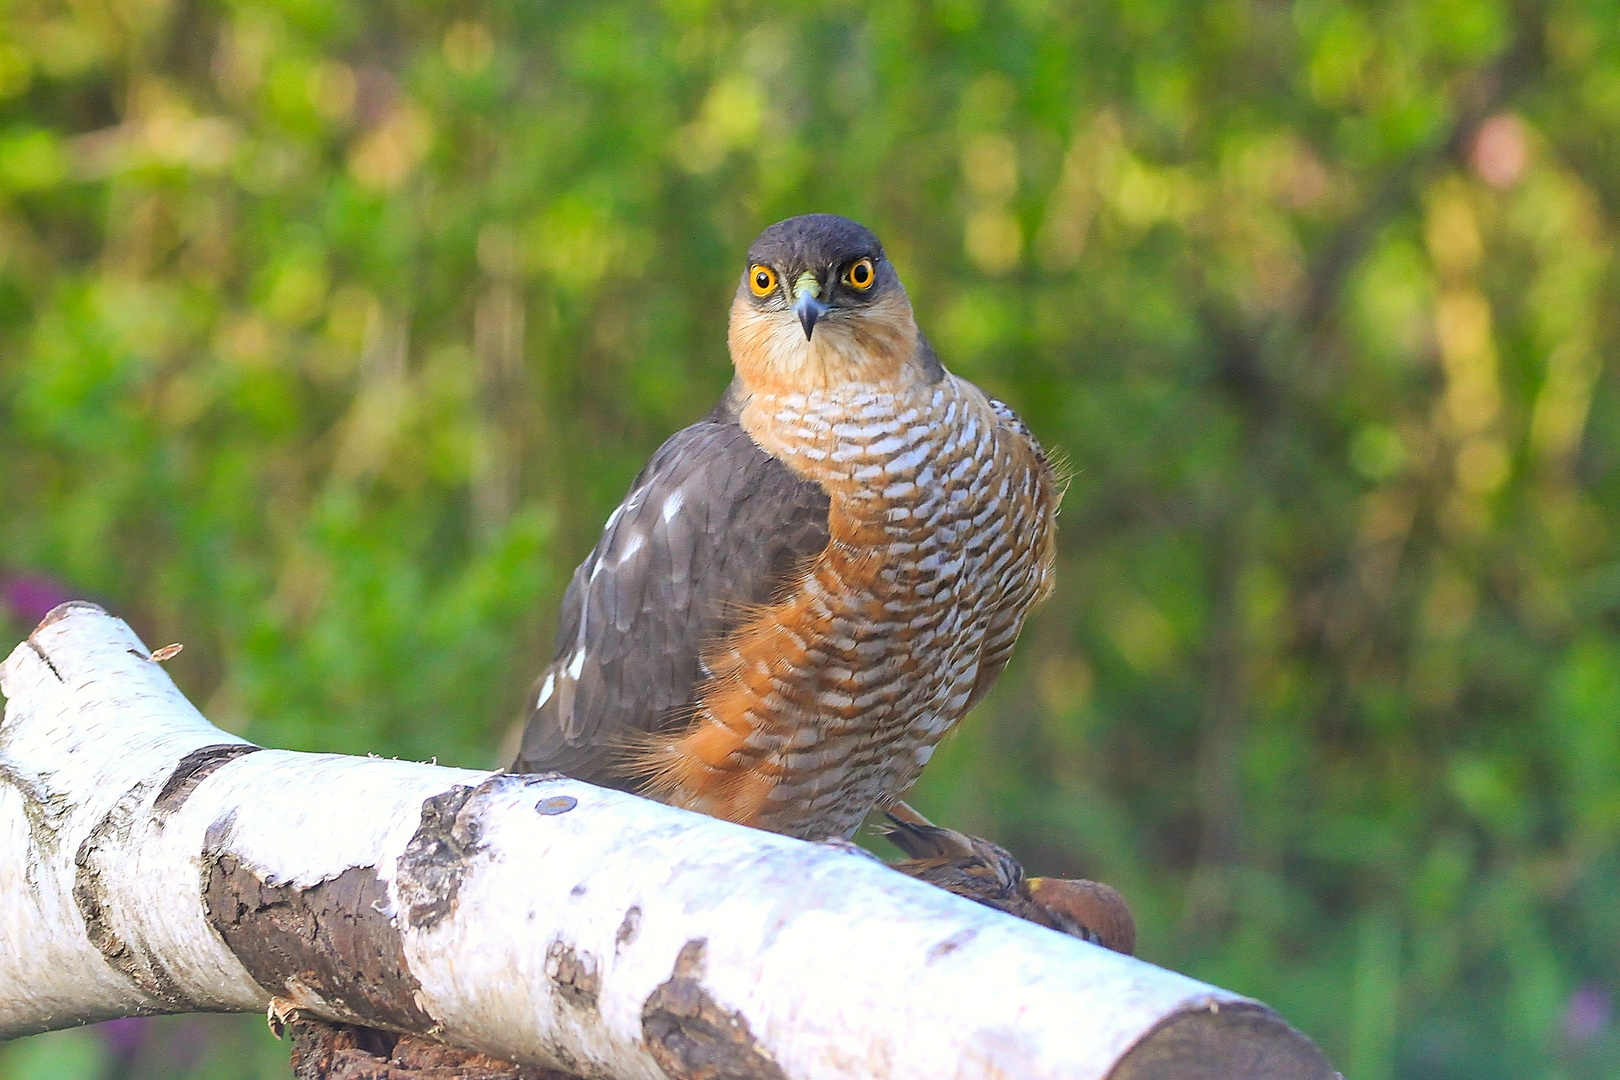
819	304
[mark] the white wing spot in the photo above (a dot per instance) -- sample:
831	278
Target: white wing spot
545	689
577	664
631	546
672	505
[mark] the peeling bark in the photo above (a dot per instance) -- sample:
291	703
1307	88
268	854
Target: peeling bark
575	974
326	944
92	884
629	927
193	769
435	859
42	811
694	1037
150	862
324	1051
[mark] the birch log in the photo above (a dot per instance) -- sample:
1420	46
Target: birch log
151	863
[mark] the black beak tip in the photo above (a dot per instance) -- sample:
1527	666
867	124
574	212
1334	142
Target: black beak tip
809	311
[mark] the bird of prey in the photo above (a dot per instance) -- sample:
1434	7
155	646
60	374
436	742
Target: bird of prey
805	590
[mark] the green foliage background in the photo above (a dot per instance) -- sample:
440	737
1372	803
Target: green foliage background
330	334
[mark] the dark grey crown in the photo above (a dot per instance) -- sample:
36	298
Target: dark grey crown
814	242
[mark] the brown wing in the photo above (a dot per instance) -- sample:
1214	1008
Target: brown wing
713	528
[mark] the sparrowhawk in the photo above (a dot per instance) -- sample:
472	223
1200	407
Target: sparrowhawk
806	589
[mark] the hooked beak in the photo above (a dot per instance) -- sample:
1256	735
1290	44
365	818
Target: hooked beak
809	309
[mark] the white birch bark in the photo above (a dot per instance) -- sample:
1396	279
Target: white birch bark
150	862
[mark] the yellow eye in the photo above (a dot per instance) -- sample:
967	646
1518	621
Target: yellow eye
860	275
762	279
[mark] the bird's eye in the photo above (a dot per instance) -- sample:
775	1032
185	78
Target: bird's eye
860	274
762	279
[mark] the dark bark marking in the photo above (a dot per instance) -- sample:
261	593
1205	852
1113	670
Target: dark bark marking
429	872
90	896
628	929
39	652
694	1037
57	614
332	938
574	973
951	944
214	841
539	777
43	810
1225	1042
192	770
62	611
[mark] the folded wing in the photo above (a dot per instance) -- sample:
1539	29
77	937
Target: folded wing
713	528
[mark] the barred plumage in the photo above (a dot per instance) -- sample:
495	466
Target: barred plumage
814	682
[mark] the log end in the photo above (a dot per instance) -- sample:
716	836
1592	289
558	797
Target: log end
1226	1042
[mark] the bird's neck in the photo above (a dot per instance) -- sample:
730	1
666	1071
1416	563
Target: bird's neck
854	439
878	348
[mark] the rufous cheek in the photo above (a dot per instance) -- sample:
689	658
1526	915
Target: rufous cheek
868	345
